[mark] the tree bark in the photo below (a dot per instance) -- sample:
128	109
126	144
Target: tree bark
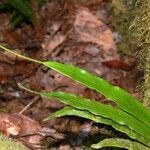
141	25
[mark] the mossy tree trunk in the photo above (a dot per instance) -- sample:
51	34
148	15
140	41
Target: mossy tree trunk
141	25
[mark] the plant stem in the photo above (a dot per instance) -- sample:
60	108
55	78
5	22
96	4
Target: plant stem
29	90
21	56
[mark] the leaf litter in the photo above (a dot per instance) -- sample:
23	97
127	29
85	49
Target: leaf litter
77	33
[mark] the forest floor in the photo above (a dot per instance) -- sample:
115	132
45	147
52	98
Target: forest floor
78	34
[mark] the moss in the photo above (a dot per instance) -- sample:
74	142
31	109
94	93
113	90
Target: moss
121	20
141	26
123	13
9	144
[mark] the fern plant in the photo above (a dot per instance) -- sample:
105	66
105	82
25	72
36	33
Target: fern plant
21	10
130	117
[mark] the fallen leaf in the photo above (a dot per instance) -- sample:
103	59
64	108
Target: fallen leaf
7	57
53	43
11	37
118	64
89	2
4	79
6	69
16	125
88	28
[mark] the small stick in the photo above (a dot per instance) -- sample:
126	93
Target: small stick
29	105
32	102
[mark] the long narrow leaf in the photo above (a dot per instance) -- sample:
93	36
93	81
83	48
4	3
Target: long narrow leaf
122	143
69	111
99	109
124	100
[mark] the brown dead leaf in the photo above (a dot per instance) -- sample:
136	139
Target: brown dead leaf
119	64
25	68
73	87
82	26
11	37
18	125
53	104
7	57
89	2
6	70
3	79
88	28
42	80
57	40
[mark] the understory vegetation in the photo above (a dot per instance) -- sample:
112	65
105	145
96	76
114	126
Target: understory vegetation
129	115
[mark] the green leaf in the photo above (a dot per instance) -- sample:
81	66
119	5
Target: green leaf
137	119
69	111
17	21
41	2
4	6
99	109
22	10
122	143
23	7
124	100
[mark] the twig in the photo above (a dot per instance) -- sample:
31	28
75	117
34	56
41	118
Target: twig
29	105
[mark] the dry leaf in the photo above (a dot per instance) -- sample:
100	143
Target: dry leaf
18	125
88	28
